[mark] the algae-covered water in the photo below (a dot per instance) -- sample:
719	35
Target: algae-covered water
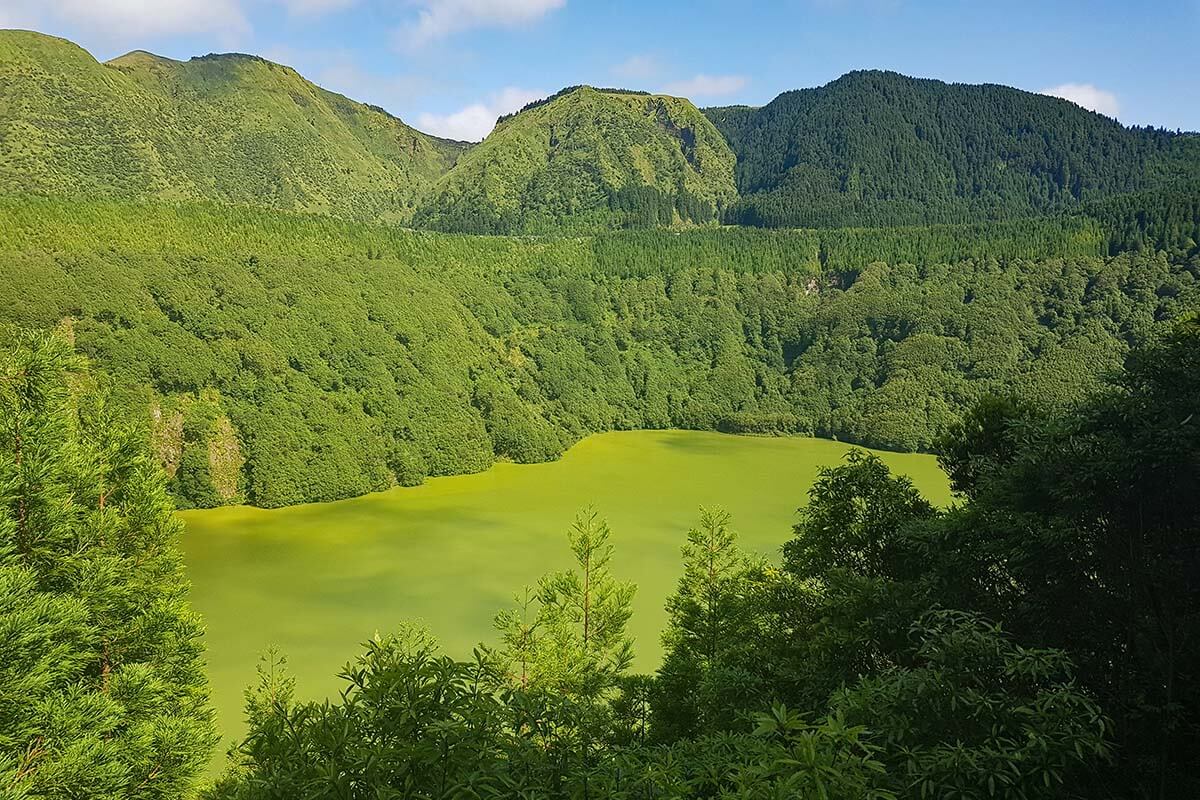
317	580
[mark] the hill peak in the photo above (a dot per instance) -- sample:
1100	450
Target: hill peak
233	57
139	57
16	34
588	158
581	88
20	44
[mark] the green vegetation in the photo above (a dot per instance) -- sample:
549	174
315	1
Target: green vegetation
1166	220
373	560
587	159
871	149
102	689
349	358
881	149
999	277
1037	640
228	128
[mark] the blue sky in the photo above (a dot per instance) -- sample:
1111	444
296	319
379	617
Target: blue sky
450	66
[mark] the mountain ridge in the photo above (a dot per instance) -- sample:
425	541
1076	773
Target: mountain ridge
231	128
871	148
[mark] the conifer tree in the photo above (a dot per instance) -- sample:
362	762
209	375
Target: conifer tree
709	616
102	690
583	612
711	563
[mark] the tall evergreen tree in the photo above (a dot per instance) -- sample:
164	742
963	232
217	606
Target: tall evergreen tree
582	645
102	689
700	685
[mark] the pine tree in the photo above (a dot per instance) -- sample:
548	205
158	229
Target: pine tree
102	690
583	614
711	566
709	617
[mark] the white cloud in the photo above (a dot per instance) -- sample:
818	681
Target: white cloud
476	121
128	20
638	68
706	86
338	69
1088	96
439	18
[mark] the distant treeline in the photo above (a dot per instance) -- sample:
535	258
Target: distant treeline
843	252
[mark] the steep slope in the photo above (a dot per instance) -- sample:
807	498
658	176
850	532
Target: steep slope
879	148
228	128
584	160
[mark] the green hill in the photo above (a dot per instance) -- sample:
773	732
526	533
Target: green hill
227	128
870	149
879	148
588	159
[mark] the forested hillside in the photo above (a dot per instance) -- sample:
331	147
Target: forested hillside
871	149
287	359
880	148
227	128
588	159
1161	220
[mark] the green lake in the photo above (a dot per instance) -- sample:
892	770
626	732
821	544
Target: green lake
317	580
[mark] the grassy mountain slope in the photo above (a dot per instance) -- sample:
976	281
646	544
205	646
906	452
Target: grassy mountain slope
587	159
879	148
227	128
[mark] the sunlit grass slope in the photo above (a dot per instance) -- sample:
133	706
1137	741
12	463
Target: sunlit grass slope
229	128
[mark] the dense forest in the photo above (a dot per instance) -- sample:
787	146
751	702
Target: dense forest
294	359
881	149
1036	640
